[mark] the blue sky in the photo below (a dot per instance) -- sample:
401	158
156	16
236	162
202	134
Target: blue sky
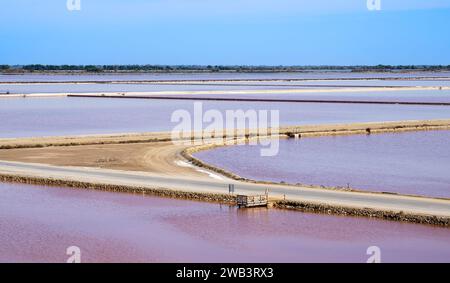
228	32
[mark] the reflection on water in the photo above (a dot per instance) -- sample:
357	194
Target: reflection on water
25	117
409	163
39	223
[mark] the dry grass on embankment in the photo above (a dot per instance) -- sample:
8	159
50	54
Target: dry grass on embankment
230	199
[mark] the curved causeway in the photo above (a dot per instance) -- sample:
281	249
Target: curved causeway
406	205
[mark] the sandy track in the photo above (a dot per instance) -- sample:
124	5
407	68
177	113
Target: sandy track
138	162
156	157
152	152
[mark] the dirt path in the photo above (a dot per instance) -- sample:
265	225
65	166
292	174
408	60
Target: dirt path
388	206
136	161
154	153
155	157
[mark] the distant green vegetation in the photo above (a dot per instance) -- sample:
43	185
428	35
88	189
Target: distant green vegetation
215	68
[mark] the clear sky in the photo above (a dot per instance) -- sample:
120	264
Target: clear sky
252	32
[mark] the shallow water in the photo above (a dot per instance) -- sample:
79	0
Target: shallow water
263	85
39	223
99	88
212	76
442	96
410	163
26	117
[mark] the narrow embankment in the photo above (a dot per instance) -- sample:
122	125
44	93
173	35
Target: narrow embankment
290	131
211	94
292	100
392	207
395	207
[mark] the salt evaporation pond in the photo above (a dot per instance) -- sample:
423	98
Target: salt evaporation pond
414	163
39	223
26	117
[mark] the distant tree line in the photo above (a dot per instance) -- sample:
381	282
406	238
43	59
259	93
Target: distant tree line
213	68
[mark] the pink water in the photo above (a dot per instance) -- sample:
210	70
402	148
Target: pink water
29	117
38	223
414	163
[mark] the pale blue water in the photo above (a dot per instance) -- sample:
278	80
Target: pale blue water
98	88
442	96
26	117
415	163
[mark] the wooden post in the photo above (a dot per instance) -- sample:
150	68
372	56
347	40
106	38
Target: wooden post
231	188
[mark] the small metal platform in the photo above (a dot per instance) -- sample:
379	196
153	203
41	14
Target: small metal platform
244	201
